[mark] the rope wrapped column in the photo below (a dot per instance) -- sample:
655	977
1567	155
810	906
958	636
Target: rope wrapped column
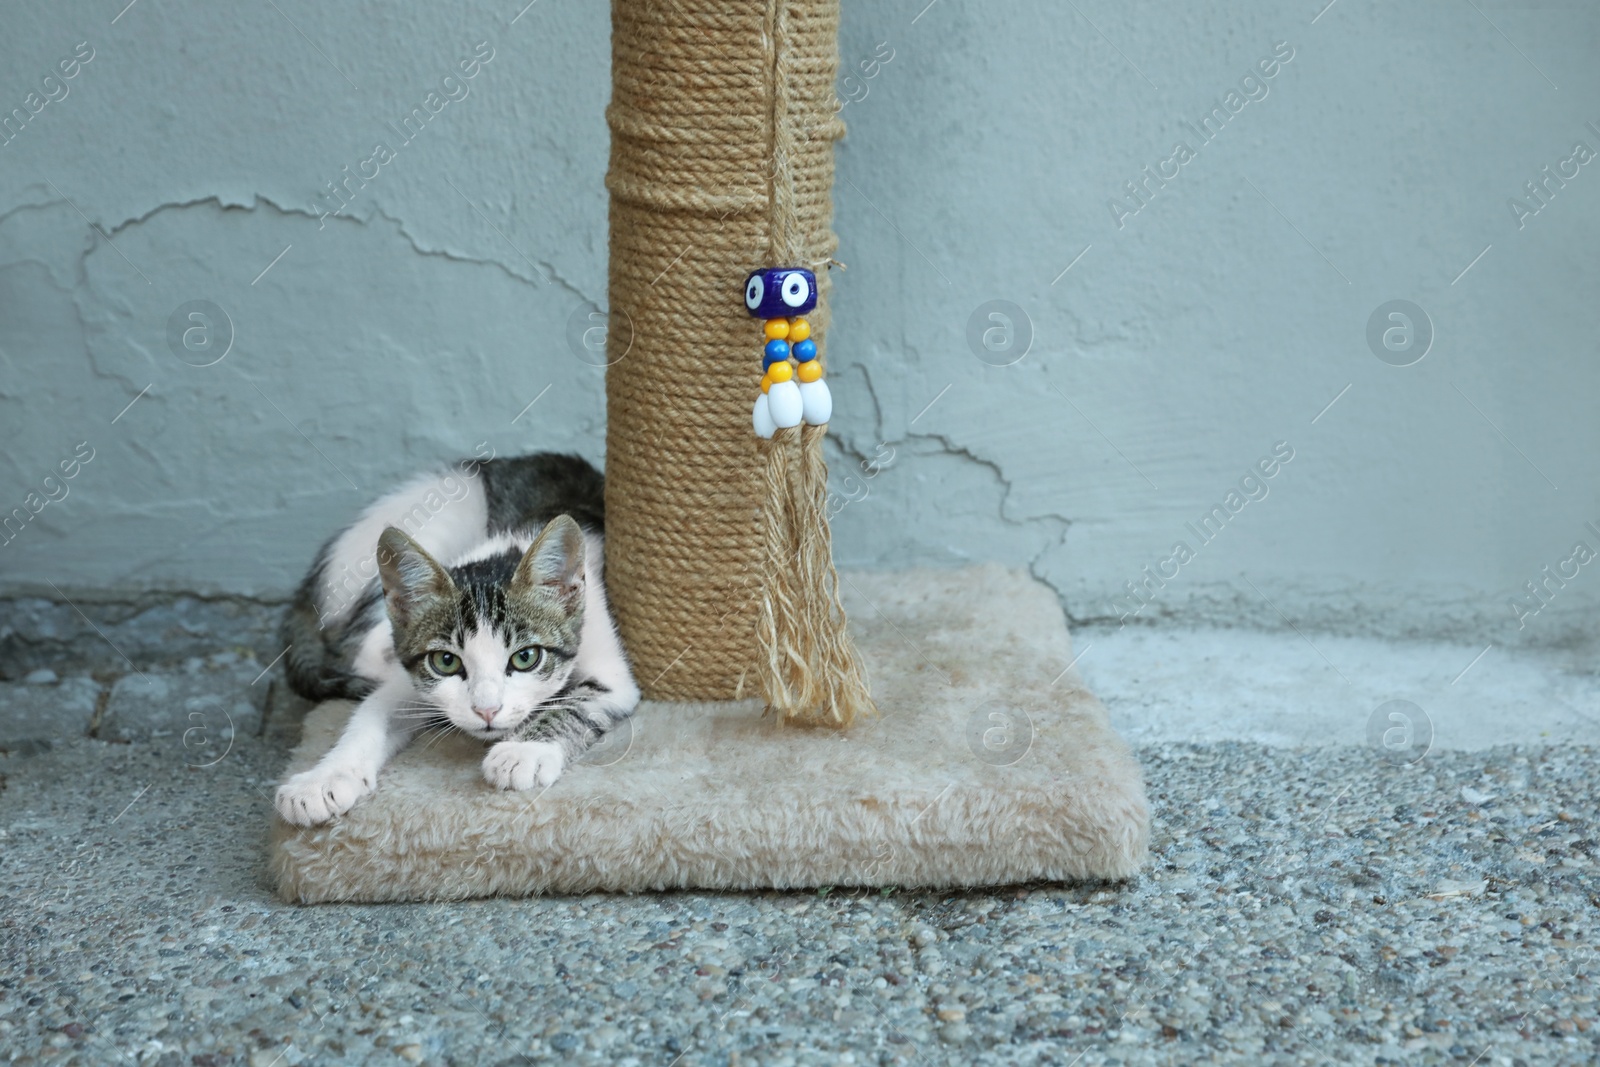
722	128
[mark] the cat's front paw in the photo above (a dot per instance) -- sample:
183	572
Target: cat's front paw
315	796
524	764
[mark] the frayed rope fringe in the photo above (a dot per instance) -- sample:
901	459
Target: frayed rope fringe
811	673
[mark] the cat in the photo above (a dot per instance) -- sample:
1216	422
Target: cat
470	599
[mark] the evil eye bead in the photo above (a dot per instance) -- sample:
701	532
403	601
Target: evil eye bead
809	371
776	350
805	350
799	330
777	329
797	288
780	292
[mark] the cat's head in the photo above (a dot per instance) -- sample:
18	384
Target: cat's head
491	641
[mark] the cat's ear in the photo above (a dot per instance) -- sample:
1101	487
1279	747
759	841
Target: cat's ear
554	563
411	577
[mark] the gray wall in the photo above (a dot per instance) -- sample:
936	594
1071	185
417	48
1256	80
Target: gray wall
1188	340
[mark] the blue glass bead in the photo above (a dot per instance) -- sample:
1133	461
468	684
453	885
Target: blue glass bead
776	349
805	350
780	292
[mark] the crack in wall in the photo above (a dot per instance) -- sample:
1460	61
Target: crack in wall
552	275
1054	525
81	288
1046	519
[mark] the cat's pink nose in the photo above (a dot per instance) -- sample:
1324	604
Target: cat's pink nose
486	714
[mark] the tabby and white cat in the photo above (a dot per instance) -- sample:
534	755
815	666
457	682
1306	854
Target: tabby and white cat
470	599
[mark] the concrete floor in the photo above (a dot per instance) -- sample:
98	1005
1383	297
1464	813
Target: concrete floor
1286	689
1311	897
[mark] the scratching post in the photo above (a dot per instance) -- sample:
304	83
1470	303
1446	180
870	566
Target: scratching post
998	765
719	560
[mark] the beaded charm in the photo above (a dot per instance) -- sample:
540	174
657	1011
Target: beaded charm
781	296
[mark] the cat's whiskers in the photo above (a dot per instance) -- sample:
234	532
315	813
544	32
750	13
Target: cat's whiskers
417	709
441	732
433	734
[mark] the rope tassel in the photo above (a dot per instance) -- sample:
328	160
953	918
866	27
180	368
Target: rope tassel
809	669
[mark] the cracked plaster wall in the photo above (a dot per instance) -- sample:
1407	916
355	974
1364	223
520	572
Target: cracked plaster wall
1167	361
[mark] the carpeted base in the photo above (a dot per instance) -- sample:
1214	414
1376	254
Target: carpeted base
990	764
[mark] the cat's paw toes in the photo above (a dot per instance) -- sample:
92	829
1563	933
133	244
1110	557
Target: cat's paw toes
315	796
523	764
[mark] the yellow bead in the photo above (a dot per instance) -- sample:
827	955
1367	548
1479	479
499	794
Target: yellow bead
766	382
780	372
799	330
811	370
777	329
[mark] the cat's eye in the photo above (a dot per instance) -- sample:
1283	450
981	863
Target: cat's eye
444	664
526	659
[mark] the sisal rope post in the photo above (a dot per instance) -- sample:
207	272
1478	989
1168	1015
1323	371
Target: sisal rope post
718	554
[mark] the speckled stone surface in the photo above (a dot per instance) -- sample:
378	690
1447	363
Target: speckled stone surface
1302	906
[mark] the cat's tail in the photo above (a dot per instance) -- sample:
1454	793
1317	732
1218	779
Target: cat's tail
314	662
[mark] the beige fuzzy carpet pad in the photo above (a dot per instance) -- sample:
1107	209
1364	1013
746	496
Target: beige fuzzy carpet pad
990	764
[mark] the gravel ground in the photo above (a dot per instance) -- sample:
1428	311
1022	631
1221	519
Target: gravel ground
1301	906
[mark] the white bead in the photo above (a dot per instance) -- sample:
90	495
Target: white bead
762	417
785	405
817	402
